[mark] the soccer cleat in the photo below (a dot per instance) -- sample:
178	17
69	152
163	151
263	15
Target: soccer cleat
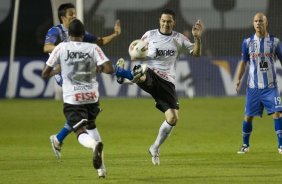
244	149
138	71
97	155
102	171
120	64
56	146
155	153
280	150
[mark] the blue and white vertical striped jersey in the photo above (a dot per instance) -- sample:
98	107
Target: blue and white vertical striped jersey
261	54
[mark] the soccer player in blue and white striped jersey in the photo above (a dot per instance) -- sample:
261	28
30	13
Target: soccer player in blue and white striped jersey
260	52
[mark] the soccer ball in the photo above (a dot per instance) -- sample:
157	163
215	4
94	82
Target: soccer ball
138	49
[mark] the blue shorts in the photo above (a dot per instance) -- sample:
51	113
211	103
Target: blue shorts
258	99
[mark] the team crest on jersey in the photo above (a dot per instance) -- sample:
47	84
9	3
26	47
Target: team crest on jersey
269	43
254	46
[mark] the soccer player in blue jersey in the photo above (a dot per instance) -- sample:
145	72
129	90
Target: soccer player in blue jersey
58	34
260	52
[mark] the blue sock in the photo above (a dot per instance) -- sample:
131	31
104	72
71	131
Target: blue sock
64	132
278	130
247	129
120	72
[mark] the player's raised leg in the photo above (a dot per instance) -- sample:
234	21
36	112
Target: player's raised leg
134	75
120	65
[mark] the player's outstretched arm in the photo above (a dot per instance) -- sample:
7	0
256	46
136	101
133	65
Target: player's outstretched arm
48	48
106	67
107	39
197	30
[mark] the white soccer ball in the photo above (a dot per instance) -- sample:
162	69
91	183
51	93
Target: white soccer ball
138	49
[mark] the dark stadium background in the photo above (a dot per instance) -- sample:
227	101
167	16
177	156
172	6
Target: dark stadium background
35	17
212	74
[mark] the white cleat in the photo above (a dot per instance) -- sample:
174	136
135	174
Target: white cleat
56	146
102	173
120	64
155	153
280	150
244	149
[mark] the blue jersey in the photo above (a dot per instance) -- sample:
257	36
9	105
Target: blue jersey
59	33
261	54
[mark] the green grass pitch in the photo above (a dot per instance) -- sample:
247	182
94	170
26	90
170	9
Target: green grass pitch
201	149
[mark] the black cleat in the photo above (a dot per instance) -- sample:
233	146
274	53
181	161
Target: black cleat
97	155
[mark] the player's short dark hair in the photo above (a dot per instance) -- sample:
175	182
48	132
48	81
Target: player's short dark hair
169	12
62	10
76	28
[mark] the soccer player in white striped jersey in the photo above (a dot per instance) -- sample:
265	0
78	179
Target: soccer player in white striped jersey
158	76
260	52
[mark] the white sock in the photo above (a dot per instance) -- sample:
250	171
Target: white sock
94	133
164	132
85	140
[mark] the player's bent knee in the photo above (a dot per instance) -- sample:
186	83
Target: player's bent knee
79	131
248	118
172	120
79	125
142	78
172	123
276	115
139	73
91	125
